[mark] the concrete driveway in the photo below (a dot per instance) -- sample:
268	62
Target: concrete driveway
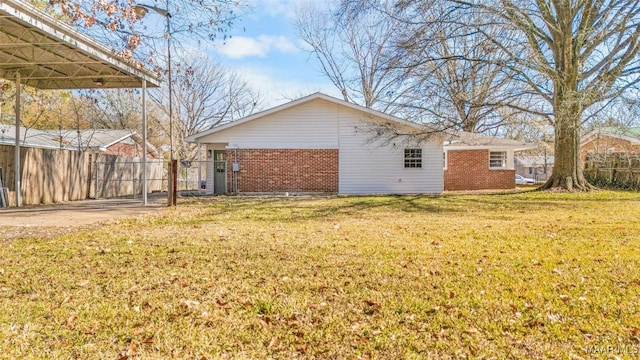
79	212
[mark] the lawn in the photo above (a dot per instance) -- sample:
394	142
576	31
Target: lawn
524	276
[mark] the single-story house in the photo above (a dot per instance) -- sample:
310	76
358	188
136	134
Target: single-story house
610	140
103	141
538	167
321	144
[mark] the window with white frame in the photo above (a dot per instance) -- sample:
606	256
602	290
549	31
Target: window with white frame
497	159
412	158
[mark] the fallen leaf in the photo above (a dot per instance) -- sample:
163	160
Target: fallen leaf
564	297
190	304
372	303
553	317
132	349
302	348
71	320
83	283
275	341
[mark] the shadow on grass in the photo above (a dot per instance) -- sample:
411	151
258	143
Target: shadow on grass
309	208
317	207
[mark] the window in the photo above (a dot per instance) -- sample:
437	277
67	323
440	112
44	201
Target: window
497	159
412	158
444	160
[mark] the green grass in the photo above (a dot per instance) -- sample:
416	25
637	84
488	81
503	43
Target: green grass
530	275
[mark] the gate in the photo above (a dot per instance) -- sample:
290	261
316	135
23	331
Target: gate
192	177
117	176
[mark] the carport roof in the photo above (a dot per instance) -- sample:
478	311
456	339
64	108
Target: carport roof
49	54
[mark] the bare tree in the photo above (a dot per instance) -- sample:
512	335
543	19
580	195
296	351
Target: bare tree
452	89
575	56
350	44
205	94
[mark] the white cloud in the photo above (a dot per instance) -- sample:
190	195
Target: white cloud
277	90
277	8
241	46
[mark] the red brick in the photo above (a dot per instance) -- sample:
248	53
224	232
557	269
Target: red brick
469	170
284	170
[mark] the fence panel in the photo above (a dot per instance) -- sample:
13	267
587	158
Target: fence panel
617	170
117	176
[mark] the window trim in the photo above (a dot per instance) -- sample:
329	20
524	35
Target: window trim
503	160
412	162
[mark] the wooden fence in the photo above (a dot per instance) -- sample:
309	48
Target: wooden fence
50	176
617	170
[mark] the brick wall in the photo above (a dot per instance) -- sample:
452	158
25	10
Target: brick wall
284	170
123	149
469	170
604	144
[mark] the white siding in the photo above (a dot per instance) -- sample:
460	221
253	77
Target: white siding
369	166
311	125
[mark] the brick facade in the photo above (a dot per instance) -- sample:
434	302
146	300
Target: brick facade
469	170
284	170
124	149
605	144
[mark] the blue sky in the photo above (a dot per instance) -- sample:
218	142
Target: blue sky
265	50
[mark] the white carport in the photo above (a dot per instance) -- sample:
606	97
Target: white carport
40	51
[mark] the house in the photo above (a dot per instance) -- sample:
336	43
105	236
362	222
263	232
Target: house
538	167
103	141
479	162
320	144
610	140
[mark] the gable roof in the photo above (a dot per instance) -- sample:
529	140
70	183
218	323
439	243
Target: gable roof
631	134
94	139
298	102
452	139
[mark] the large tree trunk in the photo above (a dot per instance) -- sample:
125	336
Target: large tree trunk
567	169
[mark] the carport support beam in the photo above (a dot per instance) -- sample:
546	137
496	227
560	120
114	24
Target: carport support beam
144	142
17	170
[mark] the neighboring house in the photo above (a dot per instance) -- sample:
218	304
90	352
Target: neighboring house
538	167
479	162
104	141
321	144
610	140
